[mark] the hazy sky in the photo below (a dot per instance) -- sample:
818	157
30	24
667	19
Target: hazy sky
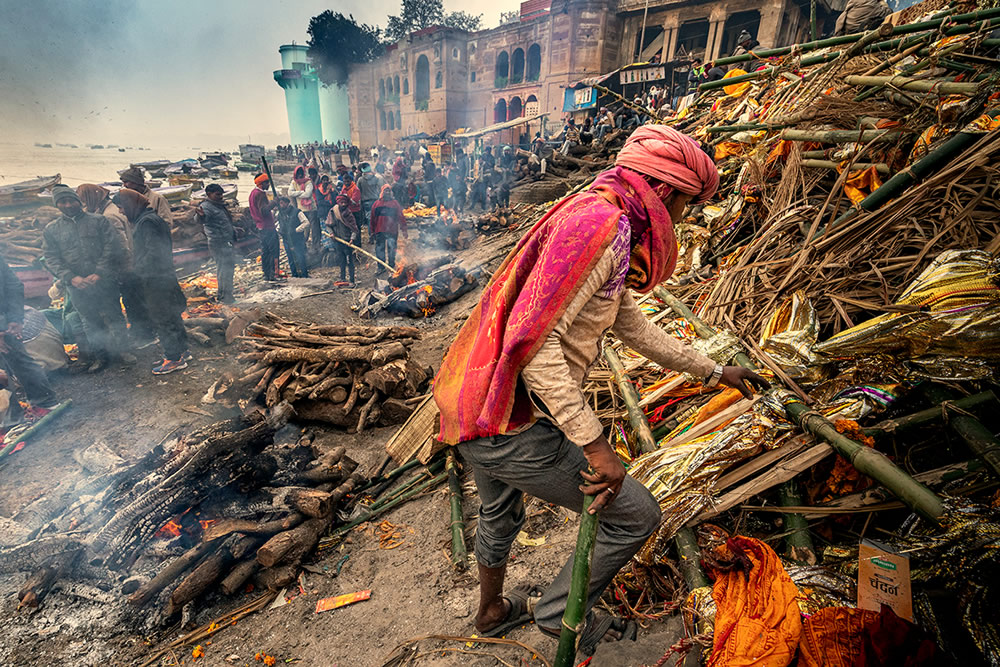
180	73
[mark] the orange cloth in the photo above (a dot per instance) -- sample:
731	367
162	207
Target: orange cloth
862	183
722	400
736	89
758	621
260	179
727	148
832	637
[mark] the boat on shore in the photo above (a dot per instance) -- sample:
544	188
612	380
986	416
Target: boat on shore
151	165
26	193
184	179
174	194
229	191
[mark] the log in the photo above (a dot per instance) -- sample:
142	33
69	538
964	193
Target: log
309	502
230	526
233	582
207	572
276	578
37	587
374	355
354	480
293	544
206	323
329	387
164	577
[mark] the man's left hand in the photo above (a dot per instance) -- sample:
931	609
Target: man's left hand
741	378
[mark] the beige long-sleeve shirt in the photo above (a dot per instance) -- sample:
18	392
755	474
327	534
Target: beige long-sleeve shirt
556	374
158	203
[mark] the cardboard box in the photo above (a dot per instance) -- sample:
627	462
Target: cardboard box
884	578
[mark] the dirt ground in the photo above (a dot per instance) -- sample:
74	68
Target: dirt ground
414	589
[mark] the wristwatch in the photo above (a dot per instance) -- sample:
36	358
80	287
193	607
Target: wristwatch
712	380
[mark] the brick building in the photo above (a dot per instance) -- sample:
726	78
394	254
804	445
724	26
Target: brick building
442	79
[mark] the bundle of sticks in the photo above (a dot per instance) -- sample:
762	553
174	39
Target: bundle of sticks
349	376
21	236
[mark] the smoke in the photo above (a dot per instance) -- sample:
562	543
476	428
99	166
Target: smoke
54	58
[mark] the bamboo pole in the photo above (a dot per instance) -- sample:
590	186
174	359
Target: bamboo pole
636	417
800	545
880	167
980	400
37	427
905	29
459	554
868	461
575	617
918	85
840	136
979	439
389	476
918	171
689	559
362	251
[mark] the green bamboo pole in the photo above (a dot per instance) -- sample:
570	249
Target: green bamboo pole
379	510
976	401
800	545
459	554
636	417
840	136
703	330
575	617
868	461
880	167
689	559
389	476
905	29
918	85
37	427
979	439
937	159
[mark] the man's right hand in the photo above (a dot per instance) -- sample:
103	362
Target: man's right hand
79	282
608	473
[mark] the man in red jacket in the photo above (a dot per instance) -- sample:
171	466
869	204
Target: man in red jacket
385	222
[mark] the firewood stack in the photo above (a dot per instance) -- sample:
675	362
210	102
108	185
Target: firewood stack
349	376
21	236
222	507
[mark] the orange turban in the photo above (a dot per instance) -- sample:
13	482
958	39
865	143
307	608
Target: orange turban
260	179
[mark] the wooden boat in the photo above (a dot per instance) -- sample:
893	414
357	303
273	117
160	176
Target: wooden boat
175	193
151	165
184	179
26	193
229	191
224	172
247	166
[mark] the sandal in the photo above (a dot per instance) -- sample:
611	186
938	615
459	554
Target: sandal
595	630
522	606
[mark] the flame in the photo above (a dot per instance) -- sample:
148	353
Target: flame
170	529
205	523
429	308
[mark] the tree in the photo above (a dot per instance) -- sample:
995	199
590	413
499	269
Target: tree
464	21
507	18
415	15
337	41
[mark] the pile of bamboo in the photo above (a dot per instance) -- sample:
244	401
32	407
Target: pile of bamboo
349	376
846	167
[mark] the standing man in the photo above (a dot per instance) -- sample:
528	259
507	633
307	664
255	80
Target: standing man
154	264
509	389
353	194
302	190
343	226
293	225
221	235
86	253
571	137
262	212
133	179
387	220
97	200
28	372
370	185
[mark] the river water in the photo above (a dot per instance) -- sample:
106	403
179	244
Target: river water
19	162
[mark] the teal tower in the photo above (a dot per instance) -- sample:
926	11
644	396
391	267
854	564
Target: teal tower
301	85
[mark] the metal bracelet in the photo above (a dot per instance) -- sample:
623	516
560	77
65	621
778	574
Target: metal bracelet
713	380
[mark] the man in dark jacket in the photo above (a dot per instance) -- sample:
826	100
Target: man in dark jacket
341	223
292	225
86	252
387	220
218	224
154	264
370	184
16	360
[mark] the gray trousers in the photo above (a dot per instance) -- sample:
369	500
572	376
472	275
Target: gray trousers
543	463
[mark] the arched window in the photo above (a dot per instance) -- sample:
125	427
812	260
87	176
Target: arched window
534	62
399	120
392	121
455	53
381	90
437	79
517	66
503	69
395	85
422	84
531	98
514	109
500	111
406	86
381	119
